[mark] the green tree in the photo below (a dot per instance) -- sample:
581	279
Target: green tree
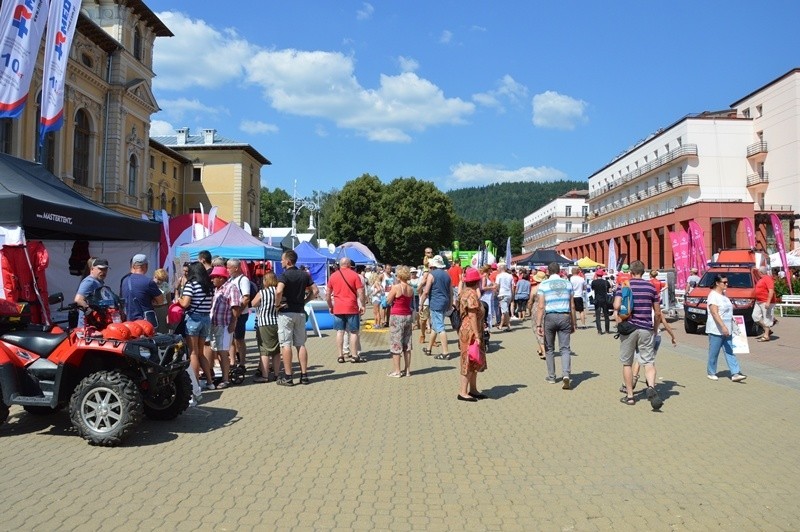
515	230
497	232
327	204
468	233
415	214
356	212
273	209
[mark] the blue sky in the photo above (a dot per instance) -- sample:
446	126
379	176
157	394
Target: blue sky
460	93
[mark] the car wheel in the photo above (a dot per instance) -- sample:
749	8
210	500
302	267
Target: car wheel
171	401
754	329
105	408
689	326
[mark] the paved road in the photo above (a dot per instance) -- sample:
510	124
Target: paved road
358	450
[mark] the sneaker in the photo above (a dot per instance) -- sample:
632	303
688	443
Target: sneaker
550	380
304	378
209	386
655	400
712	377
739	377
565	383
192	402
285	381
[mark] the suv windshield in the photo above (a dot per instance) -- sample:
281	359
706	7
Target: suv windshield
735	279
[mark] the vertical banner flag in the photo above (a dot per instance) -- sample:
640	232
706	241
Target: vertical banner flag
680	271
612	255
698	242
508	252
21	27
777	229
750	232
60	30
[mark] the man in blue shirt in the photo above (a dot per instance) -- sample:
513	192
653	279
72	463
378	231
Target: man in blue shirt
140	292
439	290
555	315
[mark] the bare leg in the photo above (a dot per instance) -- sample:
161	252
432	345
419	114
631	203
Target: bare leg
302	354
407	359
224	363
286	354
627	377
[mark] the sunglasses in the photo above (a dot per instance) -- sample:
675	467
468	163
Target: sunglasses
724	282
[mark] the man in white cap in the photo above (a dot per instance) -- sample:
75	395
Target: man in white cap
438	290
693	279
140	292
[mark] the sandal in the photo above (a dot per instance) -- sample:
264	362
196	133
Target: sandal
442	357
340	360
259	379
630	401
223	385
635	381
426	351
356	359
762	339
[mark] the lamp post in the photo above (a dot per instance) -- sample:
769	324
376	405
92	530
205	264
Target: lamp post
297	206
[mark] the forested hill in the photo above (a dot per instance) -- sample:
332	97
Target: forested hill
508	201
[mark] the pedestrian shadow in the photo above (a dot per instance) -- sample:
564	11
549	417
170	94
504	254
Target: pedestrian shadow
498	392
576	379
335	375
666	390
202	419
432	369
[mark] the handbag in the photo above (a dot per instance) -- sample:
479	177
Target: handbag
175	314
474	353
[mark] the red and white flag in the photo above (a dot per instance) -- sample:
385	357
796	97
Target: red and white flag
21	27
61	23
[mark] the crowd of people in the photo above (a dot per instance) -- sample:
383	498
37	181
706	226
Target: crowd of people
216	296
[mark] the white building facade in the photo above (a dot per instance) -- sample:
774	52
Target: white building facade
562	219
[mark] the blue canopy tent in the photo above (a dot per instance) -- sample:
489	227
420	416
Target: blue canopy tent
317	264
354	255
231	242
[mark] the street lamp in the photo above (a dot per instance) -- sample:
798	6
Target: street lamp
297	206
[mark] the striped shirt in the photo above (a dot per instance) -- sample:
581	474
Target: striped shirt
266	313
644	295
557	294
201	301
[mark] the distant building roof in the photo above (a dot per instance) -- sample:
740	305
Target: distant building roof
208	140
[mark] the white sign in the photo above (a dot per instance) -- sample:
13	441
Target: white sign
740	345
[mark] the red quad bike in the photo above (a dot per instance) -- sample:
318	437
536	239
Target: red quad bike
106	376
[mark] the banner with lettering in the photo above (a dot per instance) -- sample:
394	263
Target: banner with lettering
61	23
750	232
21	27
698	242
777	229
612	255
680	254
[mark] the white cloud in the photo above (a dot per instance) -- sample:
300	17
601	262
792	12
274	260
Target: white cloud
320	131
365	12
474	175
557	111
160	128
507	90
446	37
198	55
407	64
317	84
255	127
323	84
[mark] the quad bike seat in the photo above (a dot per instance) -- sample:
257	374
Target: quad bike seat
35	341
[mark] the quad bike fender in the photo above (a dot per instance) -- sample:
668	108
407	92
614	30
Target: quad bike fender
9	384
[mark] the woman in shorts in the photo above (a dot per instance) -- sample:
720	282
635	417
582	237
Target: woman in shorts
267	329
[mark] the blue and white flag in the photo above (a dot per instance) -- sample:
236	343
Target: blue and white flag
60	31
21	27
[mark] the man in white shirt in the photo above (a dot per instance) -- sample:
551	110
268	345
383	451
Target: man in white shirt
505	295
578	285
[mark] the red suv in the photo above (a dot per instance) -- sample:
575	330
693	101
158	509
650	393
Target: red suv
739	267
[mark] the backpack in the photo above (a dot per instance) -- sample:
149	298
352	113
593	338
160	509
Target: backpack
253	289
626	307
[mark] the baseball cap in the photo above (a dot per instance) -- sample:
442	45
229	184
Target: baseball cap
100	263
139	258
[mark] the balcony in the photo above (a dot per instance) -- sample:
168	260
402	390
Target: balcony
687	150
757	152
685	180
761	178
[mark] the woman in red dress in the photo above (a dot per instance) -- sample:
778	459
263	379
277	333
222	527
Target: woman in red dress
473	322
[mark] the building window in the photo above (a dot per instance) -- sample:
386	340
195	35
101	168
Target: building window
746	113
86	59
6	130
197	173
568	227
163	167
584	227
174	207
174	172
163	201
759	111
137	44
80	156
133	167
585	210
152	162
149	199
569	210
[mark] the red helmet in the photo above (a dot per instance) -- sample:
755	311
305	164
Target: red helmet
116	331
147	327
134	328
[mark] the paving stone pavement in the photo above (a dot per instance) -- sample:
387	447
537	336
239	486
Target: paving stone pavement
355	450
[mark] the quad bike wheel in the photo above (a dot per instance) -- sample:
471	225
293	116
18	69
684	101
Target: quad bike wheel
171	401
105	408
237	375
3	410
